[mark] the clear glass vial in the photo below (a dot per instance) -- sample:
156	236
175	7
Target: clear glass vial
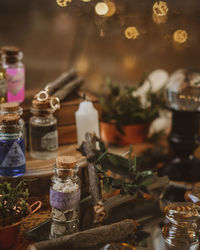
65	197
15	73
43	132
12	148
181	231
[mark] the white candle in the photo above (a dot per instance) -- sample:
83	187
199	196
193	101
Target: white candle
87	120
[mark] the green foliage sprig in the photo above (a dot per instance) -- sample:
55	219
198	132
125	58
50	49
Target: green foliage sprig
13	202
138	180
118	104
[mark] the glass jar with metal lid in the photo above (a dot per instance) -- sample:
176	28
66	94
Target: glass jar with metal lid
181	230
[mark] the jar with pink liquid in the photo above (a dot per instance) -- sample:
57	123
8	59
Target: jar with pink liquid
15	73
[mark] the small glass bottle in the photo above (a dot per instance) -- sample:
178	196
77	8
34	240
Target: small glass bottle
3	82
14	108
12	148
43	132
65	197
181	231
15	73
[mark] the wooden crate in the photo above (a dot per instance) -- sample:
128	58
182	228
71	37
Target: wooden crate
66	115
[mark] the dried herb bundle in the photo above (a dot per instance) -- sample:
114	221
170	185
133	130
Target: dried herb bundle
13	202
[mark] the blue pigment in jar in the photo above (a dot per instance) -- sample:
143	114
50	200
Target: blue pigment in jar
12	148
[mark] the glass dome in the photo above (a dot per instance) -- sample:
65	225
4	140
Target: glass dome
183	90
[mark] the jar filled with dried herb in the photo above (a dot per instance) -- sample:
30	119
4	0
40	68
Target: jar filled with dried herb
12	148
43	133
65	197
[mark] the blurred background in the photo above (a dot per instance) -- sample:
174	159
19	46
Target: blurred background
54	38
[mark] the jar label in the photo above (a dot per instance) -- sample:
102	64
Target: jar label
14	157
64	201
50	141
16	81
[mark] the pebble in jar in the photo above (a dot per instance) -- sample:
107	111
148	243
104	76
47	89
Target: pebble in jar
65	197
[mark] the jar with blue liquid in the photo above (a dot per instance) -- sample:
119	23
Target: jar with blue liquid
12	147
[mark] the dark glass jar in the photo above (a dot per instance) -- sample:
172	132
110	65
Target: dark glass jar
12	148
43	133
65	197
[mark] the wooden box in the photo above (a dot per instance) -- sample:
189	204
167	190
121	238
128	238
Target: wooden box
65	115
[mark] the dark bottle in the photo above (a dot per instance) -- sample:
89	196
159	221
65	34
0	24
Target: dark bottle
12	148
43	133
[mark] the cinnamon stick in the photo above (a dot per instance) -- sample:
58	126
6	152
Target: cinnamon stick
67	89
90	237
63	79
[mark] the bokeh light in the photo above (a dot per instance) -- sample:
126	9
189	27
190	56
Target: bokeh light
180	36
101	8
111	8
160	8
131	33
63	3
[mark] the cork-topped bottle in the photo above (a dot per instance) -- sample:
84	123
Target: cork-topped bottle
65	197
12	148
15	73
43	133
181	231
13	108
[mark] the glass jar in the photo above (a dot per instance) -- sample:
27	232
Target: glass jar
12	148
65	197
15	73
14	108
181	230
43	133
3	82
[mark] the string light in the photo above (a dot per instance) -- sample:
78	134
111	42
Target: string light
85	1
63	3
160	8
180	36
131	33
101	8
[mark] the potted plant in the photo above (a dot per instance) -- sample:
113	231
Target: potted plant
14	209
127	112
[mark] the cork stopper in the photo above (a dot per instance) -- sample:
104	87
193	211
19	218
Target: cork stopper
9	119
9	106
10	50
66	162
42	105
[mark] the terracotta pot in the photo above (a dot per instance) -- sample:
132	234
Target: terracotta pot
8	234
133	134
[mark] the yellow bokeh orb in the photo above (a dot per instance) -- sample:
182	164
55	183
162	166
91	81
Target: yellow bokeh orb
111	8
101	8
160	8
63	3
131	33
180	36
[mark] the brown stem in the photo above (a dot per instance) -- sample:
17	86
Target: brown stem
63	92
63	79
90	237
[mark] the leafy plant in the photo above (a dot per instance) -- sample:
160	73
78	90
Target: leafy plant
120	105
137	180
13	202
